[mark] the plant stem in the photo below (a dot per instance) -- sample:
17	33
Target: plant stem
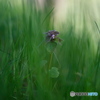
50	60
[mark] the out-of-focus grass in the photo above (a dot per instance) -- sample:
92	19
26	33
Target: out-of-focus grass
24	58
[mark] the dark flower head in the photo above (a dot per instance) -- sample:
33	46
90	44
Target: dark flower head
52	35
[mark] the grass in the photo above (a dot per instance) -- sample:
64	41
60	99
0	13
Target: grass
25	60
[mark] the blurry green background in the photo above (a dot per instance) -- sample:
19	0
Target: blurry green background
28	71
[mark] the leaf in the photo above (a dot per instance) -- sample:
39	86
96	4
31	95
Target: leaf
53	72
43	62
51	46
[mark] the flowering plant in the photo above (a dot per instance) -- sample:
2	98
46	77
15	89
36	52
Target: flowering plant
52	36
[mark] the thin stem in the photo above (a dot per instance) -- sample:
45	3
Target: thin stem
50	60
48	78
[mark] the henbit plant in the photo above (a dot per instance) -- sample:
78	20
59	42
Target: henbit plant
29	71
52	39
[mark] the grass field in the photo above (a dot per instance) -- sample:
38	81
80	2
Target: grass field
29	67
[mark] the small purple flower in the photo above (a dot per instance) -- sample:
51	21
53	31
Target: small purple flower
52	36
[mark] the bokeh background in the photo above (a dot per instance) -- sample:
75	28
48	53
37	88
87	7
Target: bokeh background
28	68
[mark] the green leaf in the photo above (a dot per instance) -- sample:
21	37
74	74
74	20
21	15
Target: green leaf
53	72
51	46
43	62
